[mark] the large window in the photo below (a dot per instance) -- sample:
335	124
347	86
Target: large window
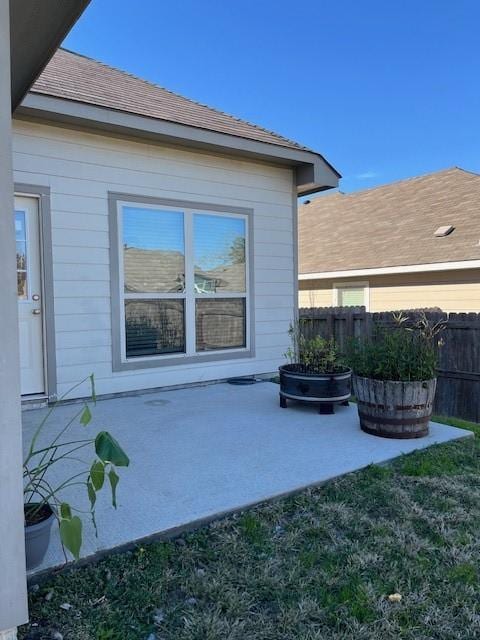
183	281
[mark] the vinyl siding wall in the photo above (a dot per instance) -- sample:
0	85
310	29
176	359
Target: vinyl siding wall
452	291
81	168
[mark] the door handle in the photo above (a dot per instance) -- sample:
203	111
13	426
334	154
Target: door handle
36	312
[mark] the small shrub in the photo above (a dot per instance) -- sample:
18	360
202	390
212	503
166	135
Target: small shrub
405	352
313	355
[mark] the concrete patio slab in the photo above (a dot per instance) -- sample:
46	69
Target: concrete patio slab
200	452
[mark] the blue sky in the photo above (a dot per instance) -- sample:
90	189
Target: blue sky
385	90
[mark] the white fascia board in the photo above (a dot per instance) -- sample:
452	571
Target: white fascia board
312	170
380	271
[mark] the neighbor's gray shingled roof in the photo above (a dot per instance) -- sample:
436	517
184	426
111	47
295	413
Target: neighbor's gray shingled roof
392	225
75	77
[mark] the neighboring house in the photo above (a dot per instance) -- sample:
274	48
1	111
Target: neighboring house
409	244
156	237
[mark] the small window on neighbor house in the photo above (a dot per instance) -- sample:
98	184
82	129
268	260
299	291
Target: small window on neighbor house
350	295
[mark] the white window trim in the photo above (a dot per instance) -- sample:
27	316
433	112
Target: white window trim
352	284
119	359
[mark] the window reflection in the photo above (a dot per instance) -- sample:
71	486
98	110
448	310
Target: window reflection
157	306
153	251
220	323
20	230
21	247
154	327
22	285
219	254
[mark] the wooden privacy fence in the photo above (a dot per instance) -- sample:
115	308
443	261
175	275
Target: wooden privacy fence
458	387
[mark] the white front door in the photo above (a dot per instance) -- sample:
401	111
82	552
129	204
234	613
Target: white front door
29	279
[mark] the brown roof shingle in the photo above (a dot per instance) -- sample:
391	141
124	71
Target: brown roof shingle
392	225
75	77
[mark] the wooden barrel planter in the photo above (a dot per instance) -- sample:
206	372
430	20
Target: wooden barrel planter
394	409
322	389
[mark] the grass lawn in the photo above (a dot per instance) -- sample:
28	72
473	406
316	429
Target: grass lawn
317	566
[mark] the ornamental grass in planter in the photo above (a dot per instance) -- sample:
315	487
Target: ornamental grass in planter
395	378
44	496
315	372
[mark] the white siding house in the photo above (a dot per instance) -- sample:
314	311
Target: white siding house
81	183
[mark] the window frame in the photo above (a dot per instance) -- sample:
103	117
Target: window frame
352	284
120	362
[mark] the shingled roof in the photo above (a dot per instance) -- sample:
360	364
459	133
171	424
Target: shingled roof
392	225
71	76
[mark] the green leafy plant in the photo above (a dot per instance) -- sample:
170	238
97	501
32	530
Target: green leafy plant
40	493
312	354
406	351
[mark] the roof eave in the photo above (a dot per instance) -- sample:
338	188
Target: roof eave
36	31
315	177
454	265
313	172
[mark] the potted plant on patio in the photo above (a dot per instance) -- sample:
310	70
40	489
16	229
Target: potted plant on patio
43	501
394	379
315	372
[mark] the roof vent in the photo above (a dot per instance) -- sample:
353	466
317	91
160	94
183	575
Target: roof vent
441	232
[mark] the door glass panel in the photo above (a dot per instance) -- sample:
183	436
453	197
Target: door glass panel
219	254
153	251
21	255
21	246
154	327
20	230
22	285
220	323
